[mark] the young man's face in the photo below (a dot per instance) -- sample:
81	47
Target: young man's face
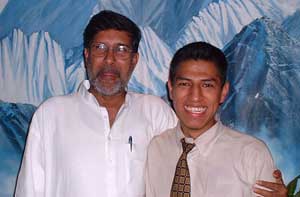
196	94
110	71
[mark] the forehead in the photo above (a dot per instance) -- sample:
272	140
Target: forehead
112	36
197	69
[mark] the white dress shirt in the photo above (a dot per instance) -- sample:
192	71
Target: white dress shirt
223	163
71	151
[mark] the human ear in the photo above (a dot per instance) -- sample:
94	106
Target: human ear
170	88
135	58
86	54
225	90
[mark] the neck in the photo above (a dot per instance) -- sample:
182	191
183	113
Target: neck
112	103
196	132
193	135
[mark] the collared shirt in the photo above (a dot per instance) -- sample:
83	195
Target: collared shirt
223	163
71	151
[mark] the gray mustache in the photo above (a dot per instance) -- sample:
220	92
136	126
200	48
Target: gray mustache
108	69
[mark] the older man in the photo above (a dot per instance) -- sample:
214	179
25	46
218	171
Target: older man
93	142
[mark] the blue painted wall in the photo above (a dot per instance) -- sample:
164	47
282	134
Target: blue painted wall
41	56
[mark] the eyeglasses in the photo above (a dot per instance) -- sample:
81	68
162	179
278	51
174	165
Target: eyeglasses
120	51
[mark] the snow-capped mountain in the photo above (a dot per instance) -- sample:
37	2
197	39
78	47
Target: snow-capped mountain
264	72
75	69
54	67
219	22
177	22
31	68
151	72
166	18
63	20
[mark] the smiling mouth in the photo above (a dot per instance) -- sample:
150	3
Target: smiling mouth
195	110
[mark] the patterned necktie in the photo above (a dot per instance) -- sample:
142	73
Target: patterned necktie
181	186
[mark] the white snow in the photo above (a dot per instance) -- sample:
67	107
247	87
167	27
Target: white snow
31	69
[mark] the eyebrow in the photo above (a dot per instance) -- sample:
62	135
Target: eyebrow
188	79
182	78
122	44
117	44
208	80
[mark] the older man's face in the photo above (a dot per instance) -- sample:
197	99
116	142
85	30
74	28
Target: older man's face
110	61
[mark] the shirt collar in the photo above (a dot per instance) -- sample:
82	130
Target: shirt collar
205	142
83	90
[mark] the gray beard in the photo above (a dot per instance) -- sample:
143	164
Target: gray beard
105	90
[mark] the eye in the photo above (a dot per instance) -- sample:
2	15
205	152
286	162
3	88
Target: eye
122	49
208	85
183	84
100	47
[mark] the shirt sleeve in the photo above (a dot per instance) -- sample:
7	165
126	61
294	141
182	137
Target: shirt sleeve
164	118
30	182
258	163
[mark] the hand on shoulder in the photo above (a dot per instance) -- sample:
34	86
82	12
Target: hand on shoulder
273	189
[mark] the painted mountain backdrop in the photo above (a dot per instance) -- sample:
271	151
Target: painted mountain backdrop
41	56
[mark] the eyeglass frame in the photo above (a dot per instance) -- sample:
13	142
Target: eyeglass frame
94	48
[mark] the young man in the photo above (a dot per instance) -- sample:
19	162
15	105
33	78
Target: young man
93	143
201	156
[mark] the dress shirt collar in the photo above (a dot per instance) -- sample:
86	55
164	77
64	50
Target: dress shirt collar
83	90
205	142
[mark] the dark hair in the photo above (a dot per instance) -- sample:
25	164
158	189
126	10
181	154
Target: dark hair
199	51
106	20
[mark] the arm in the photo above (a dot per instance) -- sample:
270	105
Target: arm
278	187
30	182
259	164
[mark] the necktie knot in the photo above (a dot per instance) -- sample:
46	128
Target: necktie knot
187	147
181	186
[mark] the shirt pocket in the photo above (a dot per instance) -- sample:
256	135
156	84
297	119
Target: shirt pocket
135	159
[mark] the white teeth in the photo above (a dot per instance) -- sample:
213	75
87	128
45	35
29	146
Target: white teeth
195	109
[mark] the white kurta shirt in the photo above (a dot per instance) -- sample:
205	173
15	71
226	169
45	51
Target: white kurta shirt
223	163
71	151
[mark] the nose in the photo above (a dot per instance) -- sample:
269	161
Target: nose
196	93
110	57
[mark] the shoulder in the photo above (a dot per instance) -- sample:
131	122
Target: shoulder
244	142
166	138
252	157
58	102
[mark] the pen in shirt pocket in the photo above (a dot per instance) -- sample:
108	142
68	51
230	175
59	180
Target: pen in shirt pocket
130	141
